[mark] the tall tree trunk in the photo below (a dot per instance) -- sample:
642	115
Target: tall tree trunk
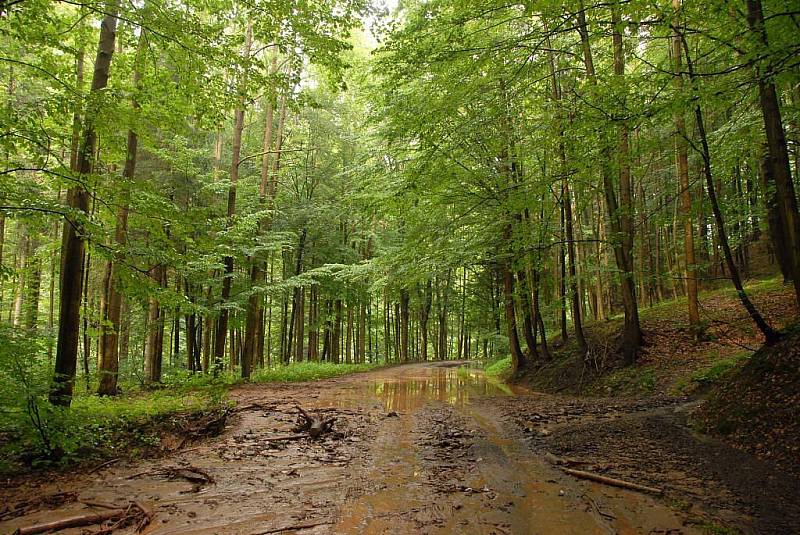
528	326
267	190
124	331
23	251
567	221
632	335
154	347
619	216
517	357
238	127
108	360
362	331
404	300
33	289
301	321
336	335
778	151
73	244
349	337
424	315
682	165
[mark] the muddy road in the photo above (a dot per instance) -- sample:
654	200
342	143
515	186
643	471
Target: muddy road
422	448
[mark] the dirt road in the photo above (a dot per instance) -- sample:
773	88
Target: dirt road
422	448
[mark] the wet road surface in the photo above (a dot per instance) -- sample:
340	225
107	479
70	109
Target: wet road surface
420	449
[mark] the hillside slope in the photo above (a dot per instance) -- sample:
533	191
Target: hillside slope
672	361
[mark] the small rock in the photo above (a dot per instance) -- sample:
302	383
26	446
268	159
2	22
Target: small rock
561	492
392	414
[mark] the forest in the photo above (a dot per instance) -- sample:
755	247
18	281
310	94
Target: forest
200	195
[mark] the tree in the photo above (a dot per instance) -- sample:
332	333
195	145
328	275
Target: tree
74	245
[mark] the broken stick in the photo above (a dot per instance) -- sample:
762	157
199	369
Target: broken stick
611	481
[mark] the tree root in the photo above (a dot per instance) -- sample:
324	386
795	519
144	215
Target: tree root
196	476
314	426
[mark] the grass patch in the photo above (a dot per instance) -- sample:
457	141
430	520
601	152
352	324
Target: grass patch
712	373
499	369
630	380
41	435
718	369
307	371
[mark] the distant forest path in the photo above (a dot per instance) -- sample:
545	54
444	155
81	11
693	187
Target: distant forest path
420	448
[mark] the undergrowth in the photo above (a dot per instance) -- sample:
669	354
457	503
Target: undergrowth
34	433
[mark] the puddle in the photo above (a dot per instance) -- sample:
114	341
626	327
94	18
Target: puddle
445	384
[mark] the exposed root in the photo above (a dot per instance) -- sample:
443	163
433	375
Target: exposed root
196	476
313	425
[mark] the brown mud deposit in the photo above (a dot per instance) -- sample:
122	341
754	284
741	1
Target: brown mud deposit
415	449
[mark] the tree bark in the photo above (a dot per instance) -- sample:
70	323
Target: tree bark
682	166
73	244
517	358
154	347
632	335
619	215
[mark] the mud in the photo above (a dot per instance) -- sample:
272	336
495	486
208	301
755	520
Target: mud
421	448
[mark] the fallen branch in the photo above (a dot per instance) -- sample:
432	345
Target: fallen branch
284	437
294	527
119	516
607	516
611	481
102	465
147	517
51	501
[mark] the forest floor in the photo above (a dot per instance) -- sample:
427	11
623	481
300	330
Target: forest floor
430	448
